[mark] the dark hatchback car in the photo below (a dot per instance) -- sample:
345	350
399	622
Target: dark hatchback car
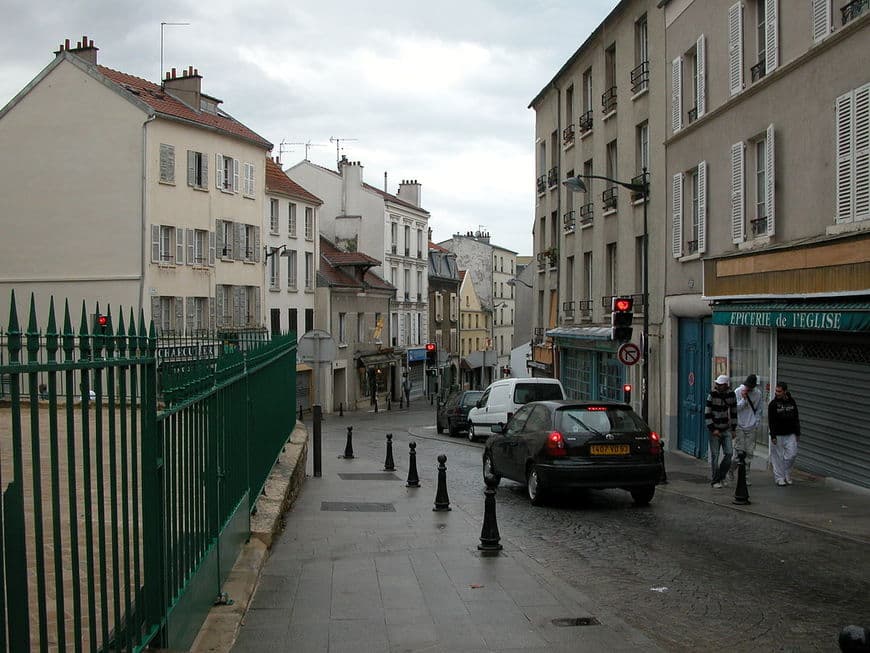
452	415
551	445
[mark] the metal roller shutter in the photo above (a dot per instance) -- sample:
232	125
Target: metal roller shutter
303	390
416	374
829	380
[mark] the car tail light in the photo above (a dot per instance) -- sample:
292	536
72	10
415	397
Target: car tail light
655	443
555	445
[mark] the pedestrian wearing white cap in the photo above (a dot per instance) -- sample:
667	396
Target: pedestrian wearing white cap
749	409
721	419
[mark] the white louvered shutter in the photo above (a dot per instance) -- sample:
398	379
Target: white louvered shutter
178	327
211	248
735	48
677	216
191	168
257	245
770	175
235	175
190	322
218	305
155	310
211	313
219	237
862	153
677	94
191	253
845	111
771	35
738	221
155	243
179	245
218	170
701	62
702	207
238	239
821	19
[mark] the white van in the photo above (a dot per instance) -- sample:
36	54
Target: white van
506	396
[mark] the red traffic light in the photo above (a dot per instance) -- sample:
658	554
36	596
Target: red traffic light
622	304
102	320
626	387
430	346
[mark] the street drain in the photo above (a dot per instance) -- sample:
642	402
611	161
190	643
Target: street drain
576	621
346	506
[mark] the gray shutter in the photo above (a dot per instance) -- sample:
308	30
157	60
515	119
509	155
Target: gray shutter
191	168
237	305
701	63
167	163
735	48
677	216
677	94
191	315
155	310
770	173
738	222
243	305
702	207
204	179
256	313
178	327
771	36
179	245
257	244
235	175
217	305
219	237
211	248
821	19
218	165
862	152
211	314
191	245
238	237
155	243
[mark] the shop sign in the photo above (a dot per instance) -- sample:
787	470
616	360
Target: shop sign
823	320
415	355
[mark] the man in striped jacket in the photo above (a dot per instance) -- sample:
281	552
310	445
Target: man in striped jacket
721	418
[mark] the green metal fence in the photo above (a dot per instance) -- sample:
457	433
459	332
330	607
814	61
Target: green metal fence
128	469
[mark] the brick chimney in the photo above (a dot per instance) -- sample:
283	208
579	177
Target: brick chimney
187	87
84	50
409	190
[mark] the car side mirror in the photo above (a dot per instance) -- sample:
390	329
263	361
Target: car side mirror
497	428
478	404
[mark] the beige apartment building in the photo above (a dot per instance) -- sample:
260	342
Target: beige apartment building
768	186
477	358
132	194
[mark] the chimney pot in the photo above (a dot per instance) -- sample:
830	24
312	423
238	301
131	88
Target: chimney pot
189	71
91	43
85	40
173	73
78	45
67	44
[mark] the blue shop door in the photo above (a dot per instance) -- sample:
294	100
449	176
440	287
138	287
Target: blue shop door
696	356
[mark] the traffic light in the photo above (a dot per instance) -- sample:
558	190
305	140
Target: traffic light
626	392
621	318
431	353
101	324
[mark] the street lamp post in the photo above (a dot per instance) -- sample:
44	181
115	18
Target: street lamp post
574	185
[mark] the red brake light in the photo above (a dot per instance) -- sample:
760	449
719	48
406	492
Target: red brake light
596	408
555	445
655	443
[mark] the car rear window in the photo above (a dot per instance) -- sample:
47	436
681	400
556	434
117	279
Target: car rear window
470	399
526	392
598	420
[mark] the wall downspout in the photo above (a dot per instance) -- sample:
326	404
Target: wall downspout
144	214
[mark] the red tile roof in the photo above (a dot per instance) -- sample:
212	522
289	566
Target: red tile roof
334	264
436	247
277	181
392	198
154	96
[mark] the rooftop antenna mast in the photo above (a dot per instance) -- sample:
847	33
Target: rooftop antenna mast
162	25
308	146
337	142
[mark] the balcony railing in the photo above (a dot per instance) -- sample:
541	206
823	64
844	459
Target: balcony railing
569	221
636	195
691	246
609	198
608	100
553	177
538	336
693	114
568	135
584	307
586	214
758	227
541	184
854	9
568	307
758	70
585	122
640	78
542	260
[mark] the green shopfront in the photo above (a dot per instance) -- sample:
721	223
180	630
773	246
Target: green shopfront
822	350
588	366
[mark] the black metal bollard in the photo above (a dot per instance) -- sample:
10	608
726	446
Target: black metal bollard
348	448
389	464
741	492
340	409
376	403
442	501
854	639
431	397
389	403
413	479
316	416
401	400
489	536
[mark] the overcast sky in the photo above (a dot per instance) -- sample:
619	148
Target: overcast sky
434	91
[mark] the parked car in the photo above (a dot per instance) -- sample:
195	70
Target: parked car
551	445
504	397
452	415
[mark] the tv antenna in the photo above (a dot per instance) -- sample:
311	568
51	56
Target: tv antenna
337	142
162	25
308	145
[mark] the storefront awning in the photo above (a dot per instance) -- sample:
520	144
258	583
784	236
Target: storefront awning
580	333
375	360
821	316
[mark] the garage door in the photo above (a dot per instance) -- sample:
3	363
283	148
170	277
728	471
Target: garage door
829	381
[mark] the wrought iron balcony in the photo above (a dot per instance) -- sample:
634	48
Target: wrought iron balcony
758	227
553	176
854	9
568	135
542	260
538	336
584	306
609	198
637	195
586	214
568	307
691	246
758	70
693	114
541	184
640	78
569	221
585	122
608	100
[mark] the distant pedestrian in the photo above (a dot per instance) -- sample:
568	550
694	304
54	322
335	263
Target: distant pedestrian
749	409
406	386
720	416
785	431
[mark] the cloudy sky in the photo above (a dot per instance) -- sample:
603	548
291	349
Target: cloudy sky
436	92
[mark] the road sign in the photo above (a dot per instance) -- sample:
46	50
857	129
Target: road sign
628	353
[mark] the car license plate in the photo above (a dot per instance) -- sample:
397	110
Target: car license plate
609	449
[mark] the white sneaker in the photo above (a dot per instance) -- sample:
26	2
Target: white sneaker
781	482
718	485
788	481
725	482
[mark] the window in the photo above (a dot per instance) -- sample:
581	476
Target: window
852	122
407	240
642	147
419	243
760	183
167	245
696	238
202	254
394	276
225	239
167	316
394	238
360	327
587	276
611	281
197	170
309	271
291	219
309	223
640	74
273	216
342	328
639	266
419	285
588	103
167	164
274	270
248	188
608	98
224	301
249	242
167	248
309	319
227	175
610	194
407	287
692	244
293	320
766	37
568	132
197	314
292	270
569	278
252	305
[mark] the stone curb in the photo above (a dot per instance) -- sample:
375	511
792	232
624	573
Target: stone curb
218	632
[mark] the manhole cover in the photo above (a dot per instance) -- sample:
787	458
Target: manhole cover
576	621
380	476
348	506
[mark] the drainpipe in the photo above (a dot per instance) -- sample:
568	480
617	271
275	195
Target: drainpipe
146	241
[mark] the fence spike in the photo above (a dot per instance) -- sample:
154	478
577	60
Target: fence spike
109	338
84	340
32	334
121	334
13	317
68	333
51	331
13	343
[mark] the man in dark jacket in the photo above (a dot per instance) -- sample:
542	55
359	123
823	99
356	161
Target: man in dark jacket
785	430
721	419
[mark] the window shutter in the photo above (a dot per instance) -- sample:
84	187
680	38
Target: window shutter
191	253
256	313
701	62
203	181
257	245
738	222
190	325
191	168
235	175
771	36
862	152
211	248
821	19
219	237
167	163
218	172
179	245
155	243
677	94
770	174
238	237
845	110
243	305
702	207
211	313
218	304
735	48
155	310
677	217
237	305
178	327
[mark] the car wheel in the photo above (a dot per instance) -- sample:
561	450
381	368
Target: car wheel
489	471
643	495
452	429
534	487
471	434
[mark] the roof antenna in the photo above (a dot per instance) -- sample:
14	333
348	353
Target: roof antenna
337	141
162	25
